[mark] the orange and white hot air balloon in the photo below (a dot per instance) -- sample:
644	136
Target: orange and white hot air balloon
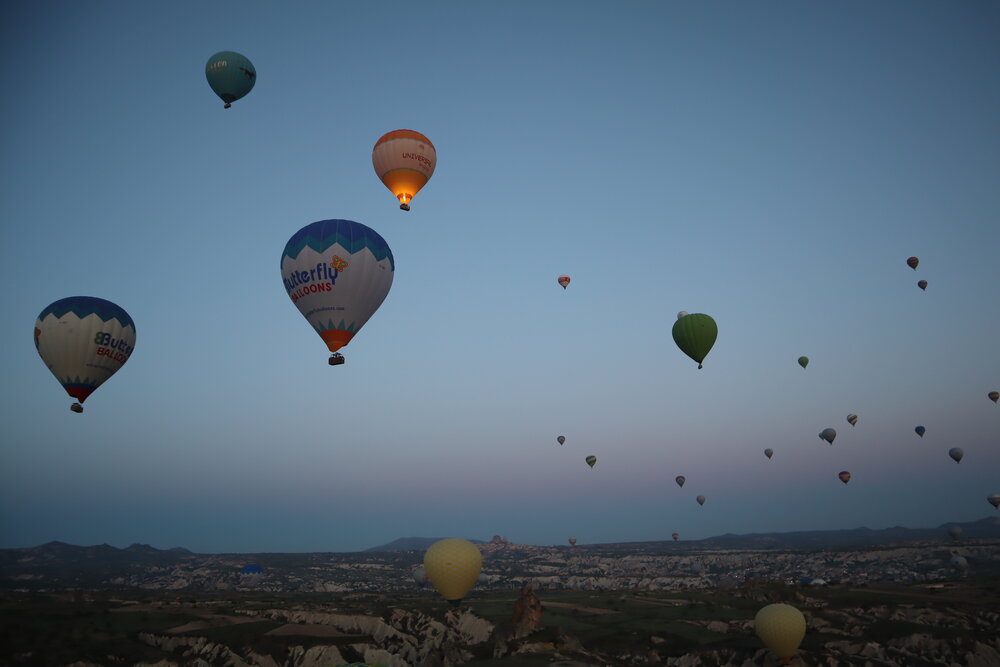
404	160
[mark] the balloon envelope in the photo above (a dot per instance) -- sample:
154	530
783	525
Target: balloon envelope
828	434
695	335
768	452
420	575
563	280
572	541
404	161
955	532
84	340
912	263
994	500
994	396
337	273
920	430
561	439
956	453
591	460
852	420
922	284
803	361
680	479
452	566
231	75
701	500
676	536
781	627
844	476
681	314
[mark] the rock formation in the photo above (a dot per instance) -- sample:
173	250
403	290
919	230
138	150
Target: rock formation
527	613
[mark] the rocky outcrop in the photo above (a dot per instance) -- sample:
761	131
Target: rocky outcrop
527	613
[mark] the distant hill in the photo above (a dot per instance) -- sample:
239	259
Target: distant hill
411	544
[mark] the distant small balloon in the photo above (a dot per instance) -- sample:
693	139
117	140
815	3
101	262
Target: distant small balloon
803	361
564	280
828	434
994	396
994	500
681	314
701	500
676	536
920	430
768	452
572	541
959	563
680	479
852	420
956	453
844	476
912	263
955	532
922	284
591	460
561	439
420	576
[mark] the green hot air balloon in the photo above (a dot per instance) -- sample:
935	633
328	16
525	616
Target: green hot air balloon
591	460
231	75
695	335
803	361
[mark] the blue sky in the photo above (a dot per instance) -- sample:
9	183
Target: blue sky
772	164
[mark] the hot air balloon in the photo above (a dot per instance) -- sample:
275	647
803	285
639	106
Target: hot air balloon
680	479
922	284
231	75
404	160
956	453
994	500
844	476
572	541
828	434
695	335
803	361
251	574
781	627
920	430
337	273
959	563
701	500
591	460
768	452
563	280
852	420
912	263
681	314
452	566
676	536
561	439
994	396
84	340
955	532
420	576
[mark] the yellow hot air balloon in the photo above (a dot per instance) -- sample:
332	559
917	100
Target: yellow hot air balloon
404	160
453	565
781	627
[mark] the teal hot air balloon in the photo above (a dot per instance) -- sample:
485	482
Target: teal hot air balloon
695	335
231	75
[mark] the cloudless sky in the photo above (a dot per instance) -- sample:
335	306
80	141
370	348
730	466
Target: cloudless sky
772	164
